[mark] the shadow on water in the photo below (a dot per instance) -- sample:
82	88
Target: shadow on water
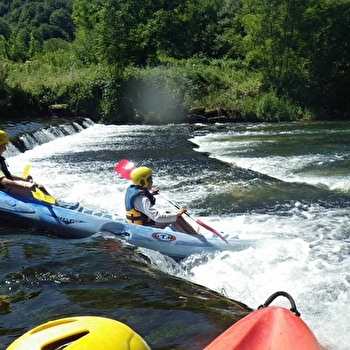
43	278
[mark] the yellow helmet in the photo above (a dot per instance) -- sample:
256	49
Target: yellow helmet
139	174
84	332
3	138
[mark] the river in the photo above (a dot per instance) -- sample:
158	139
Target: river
285	185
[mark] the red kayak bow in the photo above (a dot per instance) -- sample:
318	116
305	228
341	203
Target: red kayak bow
125	167
268	328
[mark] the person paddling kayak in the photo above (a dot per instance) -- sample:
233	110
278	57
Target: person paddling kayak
140	204
14	184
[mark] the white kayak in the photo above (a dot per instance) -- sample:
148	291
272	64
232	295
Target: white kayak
74	221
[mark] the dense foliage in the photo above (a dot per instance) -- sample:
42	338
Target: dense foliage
132	60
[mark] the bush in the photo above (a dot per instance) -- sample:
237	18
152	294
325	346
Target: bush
270	108
162	94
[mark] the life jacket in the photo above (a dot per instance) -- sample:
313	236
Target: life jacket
5	170
134	216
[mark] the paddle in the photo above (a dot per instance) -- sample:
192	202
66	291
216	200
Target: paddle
37	193
125	167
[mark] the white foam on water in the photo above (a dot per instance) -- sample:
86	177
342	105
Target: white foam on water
305	254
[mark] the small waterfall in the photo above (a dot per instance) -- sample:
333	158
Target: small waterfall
23	141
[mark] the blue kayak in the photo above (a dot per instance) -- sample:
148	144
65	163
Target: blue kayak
74	221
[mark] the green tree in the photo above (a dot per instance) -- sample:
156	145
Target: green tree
19	45
114	31
329	53
86	17
34	46
3	48
61	18
272	41
228	39
134	32
5	29
301	48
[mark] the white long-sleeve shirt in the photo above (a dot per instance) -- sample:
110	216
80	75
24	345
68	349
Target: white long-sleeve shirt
143	204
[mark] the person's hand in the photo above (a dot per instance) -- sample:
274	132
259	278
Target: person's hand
28	178
181	211
154	190
32	185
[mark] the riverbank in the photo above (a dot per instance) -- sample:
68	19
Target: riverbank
173	92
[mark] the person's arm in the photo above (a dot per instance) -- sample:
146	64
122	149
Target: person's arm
143	204
18	182
20	178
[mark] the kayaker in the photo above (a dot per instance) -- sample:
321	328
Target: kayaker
14	184
140	204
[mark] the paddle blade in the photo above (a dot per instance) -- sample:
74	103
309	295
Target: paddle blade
26	171
41	196
124	168
200	223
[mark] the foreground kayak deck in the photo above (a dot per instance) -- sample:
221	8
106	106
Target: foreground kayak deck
268	328
75	221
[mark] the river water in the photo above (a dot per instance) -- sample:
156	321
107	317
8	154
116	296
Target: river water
286	186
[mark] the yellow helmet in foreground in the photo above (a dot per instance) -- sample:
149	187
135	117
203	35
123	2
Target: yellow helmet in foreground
3	138
139	174
77	333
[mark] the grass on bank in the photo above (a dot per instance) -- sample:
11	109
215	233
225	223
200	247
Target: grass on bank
161	93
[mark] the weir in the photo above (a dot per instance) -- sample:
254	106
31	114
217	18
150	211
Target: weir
26	136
